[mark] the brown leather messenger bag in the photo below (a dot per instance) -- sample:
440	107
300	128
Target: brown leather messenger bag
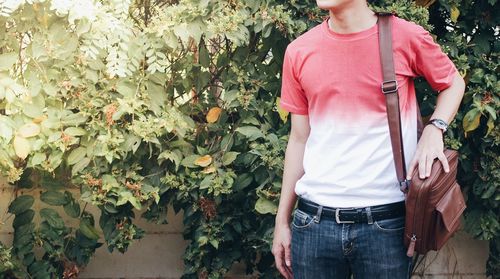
433	205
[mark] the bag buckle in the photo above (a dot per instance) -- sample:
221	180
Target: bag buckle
337	217
404	185
389	86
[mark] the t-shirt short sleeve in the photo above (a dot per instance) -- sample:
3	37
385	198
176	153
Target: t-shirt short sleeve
293	97
431	62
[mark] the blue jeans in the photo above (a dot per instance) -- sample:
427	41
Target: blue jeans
322	248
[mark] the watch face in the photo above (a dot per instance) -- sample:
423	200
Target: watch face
440	123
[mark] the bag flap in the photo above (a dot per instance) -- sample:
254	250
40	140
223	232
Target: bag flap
451	206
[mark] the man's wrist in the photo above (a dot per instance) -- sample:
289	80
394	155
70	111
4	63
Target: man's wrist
439	124
282	220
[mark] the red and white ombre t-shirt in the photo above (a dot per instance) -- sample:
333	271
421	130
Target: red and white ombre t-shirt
335	79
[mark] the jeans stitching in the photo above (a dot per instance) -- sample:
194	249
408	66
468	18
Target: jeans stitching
303	216
377	225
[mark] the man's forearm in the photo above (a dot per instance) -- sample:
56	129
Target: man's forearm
449	100
293	170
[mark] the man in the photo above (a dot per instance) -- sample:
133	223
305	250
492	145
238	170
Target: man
339	153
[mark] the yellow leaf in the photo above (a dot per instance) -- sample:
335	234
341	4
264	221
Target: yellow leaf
208	170
490	125
39	119
283	113
213	114
471	120
29	130
463	73
203	161
454	13
425	3
22	147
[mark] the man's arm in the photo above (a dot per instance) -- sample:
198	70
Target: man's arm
430	145
293	170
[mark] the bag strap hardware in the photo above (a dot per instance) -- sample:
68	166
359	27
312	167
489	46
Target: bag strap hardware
404	185
389	86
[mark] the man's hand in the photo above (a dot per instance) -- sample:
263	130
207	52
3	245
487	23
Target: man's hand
282	249
429	147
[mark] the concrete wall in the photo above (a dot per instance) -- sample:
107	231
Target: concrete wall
159	253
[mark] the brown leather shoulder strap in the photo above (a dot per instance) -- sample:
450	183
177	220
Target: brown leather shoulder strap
390	90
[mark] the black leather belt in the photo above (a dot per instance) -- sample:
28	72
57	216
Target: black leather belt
354	215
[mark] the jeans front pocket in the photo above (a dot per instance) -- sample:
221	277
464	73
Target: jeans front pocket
391	225
301	219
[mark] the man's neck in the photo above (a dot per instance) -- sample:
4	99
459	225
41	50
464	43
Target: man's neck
351	18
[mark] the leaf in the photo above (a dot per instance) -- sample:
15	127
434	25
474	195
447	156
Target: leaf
127	196
54	198
55	159
51	183
52	217
490	124
229	157
215	243
208	170
38	158
264	206
73	119
454	13
251	132
83	163
5	129
242	181
425	3
181	31
76	155
23	218
126	88
7	60
21	204
471	120
29	130
72	208
283	113
203	161
213	114
206	182
75	131
34	109
477	76
22	147
88	230
170	155
492	111
204	56
202	240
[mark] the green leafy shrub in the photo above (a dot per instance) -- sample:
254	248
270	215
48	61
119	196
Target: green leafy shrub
146	104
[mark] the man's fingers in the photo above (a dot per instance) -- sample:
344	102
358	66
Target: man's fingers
278	258
289	274
444	161
428	165
280	263
411	168
421	167
288	256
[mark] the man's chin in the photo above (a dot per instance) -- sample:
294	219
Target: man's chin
330	4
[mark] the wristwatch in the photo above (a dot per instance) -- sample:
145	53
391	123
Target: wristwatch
440	124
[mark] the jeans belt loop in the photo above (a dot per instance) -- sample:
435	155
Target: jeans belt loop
369	215
317	217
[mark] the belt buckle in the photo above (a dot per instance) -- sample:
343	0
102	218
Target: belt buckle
337	217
